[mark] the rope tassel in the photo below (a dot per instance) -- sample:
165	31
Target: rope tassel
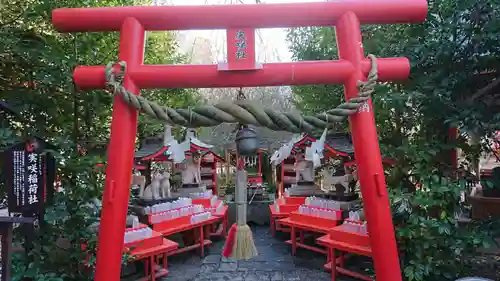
241	111
239	243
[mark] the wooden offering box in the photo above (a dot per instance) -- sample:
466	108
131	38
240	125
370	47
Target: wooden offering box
290	204
203	201
172	223
152	214
213	209
340	234
287	208
295	200
315	220
155	240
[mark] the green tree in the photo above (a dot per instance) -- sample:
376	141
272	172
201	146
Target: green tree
311	43
160	49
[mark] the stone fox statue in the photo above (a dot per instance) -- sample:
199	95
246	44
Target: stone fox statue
165	185
338	177
152	191
191	174
304	171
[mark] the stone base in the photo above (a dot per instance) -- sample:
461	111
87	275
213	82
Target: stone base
191	185
343	197
257	212
151	202
186	191
349	205
305	190
305	183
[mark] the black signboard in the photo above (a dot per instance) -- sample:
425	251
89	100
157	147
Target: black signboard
29	172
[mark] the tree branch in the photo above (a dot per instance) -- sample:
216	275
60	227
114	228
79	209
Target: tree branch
485	90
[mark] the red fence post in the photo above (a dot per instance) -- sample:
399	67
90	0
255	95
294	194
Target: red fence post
367	152
120	161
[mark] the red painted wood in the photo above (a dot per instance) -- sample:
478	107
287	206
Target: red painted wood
120	160
239	16
271	74
368	157
240	49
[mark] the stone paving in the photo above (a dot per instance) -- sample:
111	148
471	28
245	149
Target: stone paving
274	263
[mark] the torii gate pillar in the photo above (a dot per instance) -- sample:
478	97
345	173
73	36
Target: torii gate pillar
370	170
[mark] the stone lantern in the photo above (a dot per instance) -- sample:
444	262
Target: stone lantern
246	142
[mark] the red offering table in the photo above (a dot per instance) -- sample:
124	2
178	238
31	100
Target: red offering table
296	200
343	241
154	241
206	202
150	257
307	223
284	212
222	215
182	224
286	206
148	250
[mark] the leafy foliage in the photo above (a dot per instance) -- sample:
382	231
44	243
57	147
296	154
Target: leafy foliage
311	43
494	181
433	244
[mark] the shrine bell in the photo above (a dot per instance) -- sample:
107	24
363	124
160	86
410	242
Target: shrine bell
246	141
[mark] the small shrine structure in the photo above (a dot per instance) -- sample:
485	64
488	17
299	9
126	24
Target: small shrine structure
253	164
155	149
209	166
336	145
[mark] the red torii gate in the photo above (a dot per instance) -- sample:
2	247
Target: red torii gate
346	16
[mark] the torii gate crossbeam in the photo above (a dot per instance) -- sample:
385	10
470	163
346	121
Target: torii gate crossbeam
346	16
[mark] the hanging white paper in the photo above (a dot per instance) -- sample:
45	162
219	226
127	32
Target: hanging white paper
314	153
167	135
284	151
176	151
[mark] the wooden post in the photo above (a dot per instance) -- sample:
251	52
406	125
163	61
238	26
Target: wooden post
6	231
228	165
28	232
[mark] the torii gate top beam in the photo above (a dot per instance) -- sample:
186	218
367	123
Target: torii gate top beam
234	16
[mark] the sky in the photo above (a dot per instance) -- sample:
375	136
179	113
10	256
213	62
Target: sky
271	43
